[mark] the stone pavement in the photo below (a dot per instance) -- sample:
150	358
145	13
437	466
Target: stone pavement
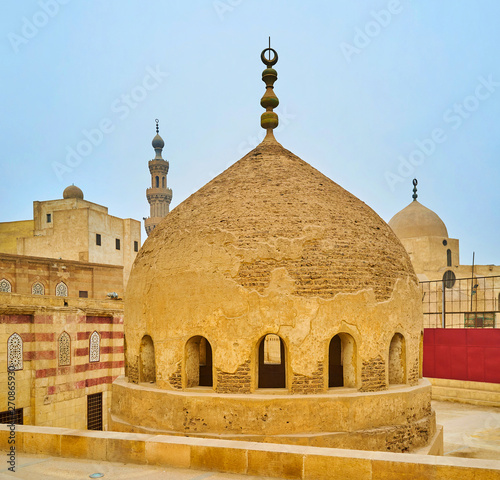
470	431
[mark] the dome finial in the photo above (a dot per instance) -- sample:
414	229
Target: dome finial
157	127
415	183
269	119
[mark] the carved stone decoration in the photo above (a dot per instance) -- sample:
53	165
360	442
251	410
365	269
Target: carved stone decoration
15	352
64	349
95	349
5	286
61	290
37	289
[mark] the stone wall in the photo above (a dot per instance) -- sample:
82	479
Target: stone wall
237	382
373	375
309	384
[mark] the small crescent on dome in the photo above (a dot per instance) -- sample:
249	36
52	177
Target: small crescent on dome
266	61
157	121
415	182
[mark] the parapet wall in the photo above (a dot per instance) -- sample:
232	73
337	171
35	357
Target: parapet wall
244	458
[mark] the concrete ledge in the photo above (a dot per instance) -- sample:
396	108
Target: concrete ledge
473	393
247	458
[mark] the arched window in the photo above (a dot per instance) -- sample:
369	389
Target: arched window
5	286
64	349
272	362
342	361
15	352
199	362
94	347
163	182
61	290
147	360
157	180
37	289
448	257
397	360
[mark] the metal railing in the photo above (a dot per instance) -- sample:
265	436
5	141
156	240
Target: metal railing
461	302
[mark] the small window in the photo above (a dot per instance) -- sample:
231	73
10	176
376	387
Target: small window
117	243
448	257
12	416
136	246
445	242
449	279
94	411
98	239
83	294
49	217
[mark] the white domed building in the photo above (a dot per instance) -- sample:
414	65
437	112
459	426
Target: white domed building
274	306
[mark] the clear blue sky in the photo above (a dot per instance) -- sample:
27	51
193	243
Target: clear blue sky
366	88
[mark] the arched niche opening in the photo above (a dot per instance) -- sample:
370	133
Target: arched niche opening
397	360
147	371
163	182
199	362
271	371
342	361
157	181
448	257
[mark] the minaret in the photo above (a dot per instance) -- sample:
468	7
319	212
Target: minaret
159	196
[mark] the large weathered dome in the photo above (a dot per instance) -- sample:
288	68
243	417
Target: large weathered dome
415	220
272	210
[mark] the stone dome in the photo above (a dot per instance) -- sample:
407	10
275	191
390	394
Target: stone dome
415	220
272	210
73	192
158	141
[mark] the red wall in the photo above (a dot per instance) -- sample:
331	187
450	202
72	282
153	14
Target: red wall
462	354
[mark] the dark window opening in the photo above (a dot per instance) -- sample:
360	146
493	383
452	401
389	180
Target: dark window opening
94	411
13	416
136	246
98	239
49	217
163	182
449	279
157	182
205	363
83	294
272	362
448	257
445	242
199	362
117	244
335	367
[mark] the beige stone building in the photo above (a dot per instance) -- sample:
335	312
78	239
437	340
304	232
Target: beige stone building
60	334
471	291
72	228
274	306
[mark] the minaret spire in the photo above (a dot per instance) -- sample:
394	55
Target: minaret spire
415	183
269	119
158	195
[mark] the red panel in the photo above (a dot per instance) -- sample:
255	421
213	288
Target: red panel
492	365
442	361
462	354
458	355
475	357
484	337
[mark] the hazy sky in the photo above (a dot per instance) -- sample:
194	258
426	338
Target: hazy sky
372	94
